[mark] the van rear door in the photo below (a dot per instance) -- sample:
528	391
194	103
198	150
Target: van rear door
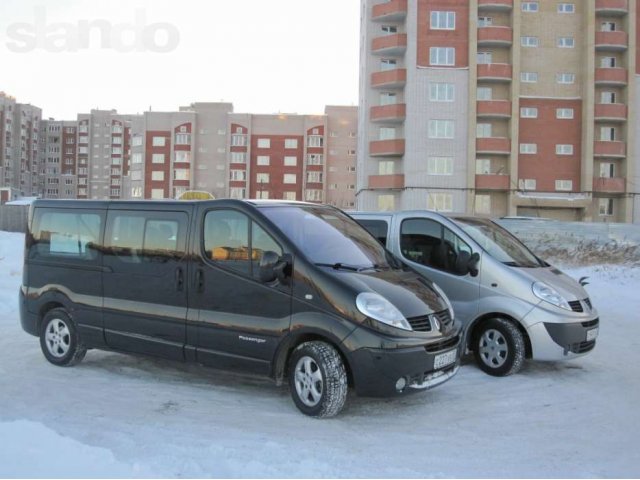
145	272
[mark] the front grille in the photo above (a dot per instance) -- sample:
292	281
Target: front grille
576	306
420	324
444	316
443	345
591	323
588	302
582	347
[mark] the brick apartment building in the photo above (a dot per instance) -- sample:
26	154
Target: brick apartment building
500	107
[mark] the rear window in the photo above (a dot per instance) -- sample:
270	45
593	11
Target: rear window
65	234
377	228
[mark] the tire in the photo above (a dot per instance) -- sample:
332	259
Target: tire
499	347
317	379
59	339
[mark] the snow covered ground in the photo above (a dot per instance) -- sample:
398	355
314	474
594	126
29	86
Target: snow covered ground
117	415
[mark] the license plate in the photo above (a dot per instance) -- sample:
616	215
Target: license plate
444	359
592	334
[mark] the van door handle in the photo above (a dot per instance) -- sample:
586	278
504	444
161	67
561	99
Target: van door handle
199	280
179	279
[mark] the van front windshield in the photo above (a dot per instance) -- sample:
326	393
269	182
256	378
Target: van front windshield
327	237
499	243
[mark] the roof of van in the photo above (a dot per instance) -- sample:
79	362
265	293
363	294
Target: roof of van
160	202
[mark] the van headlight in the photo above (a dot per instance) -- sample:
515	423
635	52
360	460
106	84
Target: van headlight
379	308
549	294
440	292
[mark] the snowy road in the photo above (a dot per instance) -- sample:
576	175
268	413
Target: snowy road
116	415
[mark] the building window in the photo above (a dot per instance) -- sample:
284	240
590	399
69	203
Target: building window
136	175
566	42
157	193
183	157
484	58
237	193
289	196
563	149
387	64
607	170
564	185
564	113
528	148
565	78
264	195
290	161
264	143
387	133
262	160
528	77
262	178
485	22
157	157
388	98
136	158
529	6
159	141
290	178
238	157
238	140
389	29
157	176
443	20
316	141
483	130
314	177
183	139
608	134
237	175
608	27
483	204
440	202
315	159
385	167
290	143
441	129
566	8
608	97
484	93
483	166
441	92
313	195
528	112
351	152
440	166
181	174
442	56
528	184
386	202
529	41
605	207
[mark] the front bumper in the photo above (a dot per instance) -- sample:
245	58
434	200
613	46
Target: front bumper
553	340
376	371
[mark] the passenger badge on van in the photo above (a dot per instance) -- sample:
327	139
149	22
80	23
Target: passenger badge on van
251	339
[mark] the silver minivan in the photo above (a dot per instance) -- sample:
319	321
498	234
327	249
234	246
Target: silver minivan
512	304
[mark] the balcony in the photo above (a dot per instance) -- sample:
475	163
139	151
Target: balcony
492	182
612	41
495	36
387	148
495	72
612	7
493	145
495	5
611	112
609	149
395	113
392	11
609	185
393	45
389	78
611	76
386	181
494	109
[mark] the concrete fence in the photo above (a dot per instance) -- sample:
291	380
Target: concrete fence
13	218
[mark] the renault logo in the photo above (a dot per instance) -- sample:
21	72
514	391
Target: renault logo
435	322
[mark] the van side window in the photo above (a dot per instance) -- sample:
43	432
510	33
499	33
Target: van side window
226	241
377	228
65	235
136	237
429	243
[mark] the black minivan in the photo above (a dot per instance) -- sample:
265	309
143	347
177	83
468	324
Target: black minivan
295	291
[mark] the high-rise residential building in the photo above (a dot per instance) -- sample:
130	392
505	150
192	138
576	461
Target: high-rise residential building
500	107
19	149
342	142
57	174
103	146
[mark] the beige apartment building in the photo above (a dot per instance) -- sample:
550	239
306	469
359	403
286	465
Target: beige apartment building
500	107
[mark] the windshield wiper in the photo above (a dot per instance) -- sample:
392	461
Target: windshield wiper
343	266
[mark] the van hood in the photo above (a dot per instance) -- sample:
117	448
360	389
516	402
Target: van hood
408	291
566	286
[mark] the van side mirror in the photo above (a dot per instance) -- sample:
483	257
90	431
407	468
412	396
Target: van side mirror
273	267
467	263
